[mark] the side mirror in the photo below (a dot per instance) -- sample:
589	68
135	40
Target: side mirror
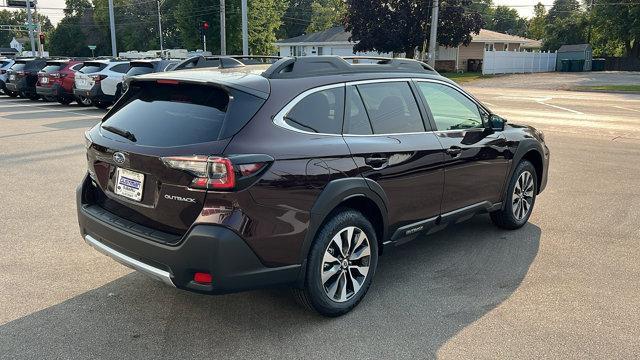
496	123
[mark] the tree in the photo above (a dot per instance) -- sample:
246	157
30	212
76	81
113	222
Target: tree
265	17
296	19
402	25
326	14
506	20
566	24
538	22
616	27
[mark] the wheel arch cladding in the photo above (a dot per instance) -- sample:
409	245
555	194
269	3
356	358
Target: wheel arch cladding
354	193
530	150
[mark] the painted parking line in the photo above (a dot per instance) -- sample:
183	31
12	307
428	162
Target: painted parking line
561	108
625	108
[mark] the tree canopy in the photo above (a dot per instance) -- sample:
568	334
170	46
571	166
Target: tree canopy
403	25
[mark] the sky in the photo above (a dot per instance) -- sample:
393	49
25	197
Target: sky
53	8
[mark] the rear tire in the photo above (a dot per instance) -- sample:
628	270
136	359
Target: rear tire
34	97
341	264
83	101
521	196
12	94
65	100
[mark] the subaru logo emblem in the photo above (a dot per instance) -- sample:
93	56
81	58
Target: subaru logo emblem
118	157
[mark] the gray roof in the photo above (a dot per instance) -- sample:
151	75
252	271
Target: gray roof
572	48
335	34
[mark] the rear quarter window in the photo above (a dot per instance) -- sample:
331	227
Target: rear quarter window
140	70
120	68
318	112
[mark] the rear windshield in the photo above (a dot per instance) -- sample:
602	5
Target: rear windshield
2	64
52	68
17	66
89	68
173	115
140	69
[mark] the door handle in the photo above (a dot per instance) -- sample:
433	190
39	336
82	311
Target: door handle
376	162
454	151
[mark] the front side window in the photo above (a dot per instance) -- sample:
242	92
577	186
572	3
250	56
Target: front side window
451	110
319	112
391	107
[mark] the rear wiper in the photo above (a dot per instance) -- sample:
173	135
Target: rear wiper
124	133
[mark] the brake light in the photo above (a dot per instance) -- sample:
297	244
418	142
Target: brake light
212	173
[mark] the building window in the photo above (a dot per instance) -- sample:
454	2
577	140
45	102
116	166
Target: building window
488	47
295	50
320	49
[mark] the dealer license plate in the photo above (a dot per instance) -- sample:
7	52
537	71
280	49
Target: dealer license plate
129	184
12	77
44	80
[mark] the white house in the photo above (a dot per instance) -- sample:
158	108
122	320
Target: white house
335	41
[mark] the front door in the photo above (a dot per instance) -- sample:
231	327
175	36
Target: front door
387	137
476	160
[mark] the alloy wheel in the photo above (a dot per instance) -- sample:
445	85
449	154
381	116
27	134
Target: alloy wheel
522	197
345	264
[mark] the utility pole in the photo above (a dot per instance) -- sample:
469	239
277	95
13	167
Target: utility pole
223	36
38	29
160	30
434	34
30	24
112	25
245	30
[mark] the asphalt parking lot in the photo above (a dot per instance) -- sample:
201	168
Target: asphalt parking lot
564	286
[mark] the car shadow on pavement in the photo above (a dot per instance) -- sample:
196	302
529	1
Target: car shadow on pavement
424	293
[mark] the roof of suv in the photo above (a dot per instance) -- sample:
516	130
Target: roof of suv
323	69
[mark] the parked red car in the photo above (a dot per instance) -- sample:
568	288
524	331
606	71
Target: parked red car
55	81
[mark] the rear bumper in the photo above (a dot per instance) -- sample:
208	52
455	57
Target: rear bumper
20	86
53	90
205	248
95	94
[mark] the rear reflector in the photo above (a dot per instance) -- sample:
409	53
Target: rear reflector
202	278
166	81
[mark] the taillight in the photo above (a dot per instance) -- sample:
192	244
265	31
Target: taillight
212	173
97	78
57	75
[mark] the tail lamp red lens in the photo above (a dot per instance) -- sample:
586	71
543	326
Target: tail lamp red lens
202	278
212	173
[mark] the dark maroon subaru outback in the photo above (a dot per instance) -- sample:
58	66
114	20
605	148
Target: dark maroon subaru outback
298	173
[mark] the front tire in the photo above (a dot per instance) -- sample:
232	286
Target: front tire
12	94
521	196
83	101
101	105
341	264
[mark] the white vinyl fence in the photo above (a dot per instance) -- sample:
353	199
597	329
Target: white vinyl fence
511	62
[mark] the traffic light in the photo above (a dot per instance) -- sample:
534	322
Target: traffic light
205	25
42	38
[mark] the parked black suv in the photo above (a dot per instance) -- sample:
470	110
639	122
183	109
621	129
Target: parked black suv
299	173
23	76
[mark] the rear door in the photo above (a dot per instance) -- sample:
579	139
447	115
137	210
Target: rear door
477	158
394	147
155	121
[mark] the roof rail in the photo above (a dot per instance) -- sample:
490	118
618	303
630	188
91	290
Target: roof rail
294	67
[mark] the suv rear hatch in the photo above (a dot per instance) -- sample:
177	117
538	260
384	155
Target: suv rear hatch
85	78
141	157
50	72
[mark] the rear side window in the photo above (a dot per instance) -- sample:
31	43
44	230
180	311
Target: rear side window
120	68
319	112
140	70
391	107
173	115
356	120
89	68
